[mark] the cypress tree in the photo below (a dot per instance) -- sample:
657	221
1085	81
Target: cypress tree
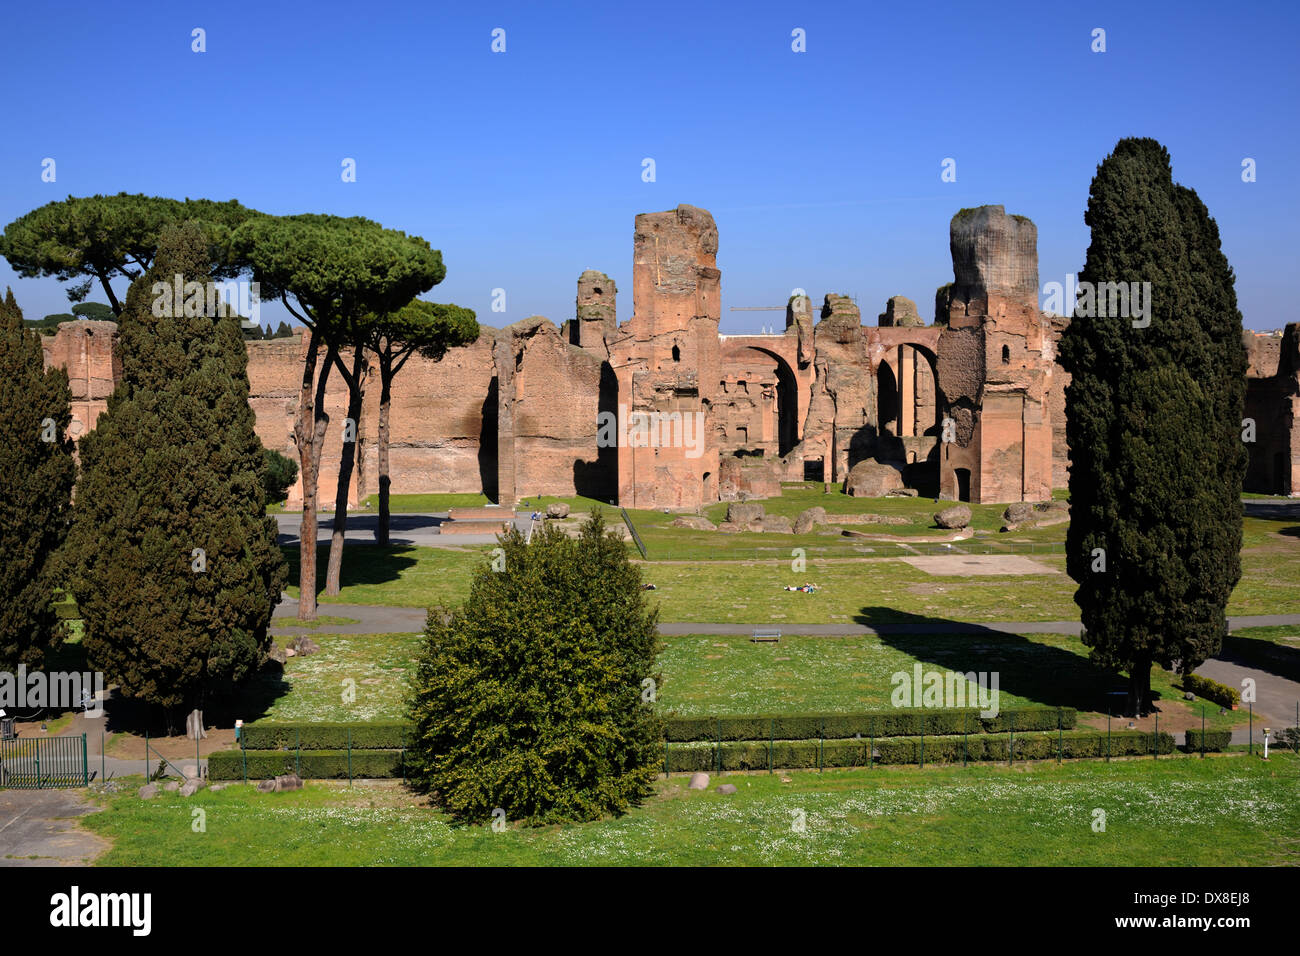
36	476
176	568
1154	424
533	697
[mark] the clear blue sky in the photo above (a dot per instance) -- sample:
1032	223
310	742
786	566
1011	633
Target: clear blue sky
822	168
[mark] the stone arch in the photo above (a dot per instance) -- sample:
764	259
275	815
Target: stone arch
787	402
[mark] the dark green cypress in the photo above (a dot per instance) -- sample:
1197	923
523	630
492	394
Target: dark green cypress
174	465
36	477
1154	424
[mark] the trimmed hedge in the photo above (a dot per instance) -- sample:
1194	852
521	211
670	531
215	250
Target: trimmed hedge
786	755
310	764
1036	746
886	723
373	735
394	735
1212	690
804	754
1214	740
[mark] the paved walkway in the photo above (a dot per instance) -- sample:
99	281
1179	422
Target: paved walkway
376	619
371	619
412	529
1276	697
40	828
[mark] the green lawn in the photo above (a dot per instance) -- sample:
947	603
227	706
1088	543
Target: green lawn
1178	811
352	677
397	576
750	592
706	675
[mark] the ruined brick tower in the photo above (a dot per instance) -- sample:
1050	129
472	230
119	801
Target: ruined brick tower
666	360
970	408
996	363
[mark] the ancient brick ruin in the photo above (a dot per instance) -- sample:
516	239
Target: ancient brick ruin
664	412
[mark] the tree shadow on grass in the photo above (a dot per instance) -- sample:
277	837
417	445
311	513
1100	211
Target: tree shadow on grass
1042	674
363	564
249	701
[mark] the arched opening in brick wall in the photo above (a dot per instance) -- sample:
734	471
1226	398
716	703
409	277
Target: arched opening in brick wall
963	483
760	404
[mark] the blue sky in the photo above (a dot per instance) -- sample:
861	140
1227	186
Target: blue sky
821	168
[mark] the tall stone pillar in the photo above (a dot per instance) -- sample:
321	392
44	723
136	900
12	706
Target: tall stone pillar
597	315
667	361
993	307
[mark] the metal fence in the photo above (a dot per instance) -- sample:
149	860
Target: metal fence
39	763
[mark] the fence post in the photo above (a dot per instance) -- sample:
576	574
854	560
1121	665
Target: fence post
1108	738
85	769
965	737
1252	728
349	755
821	747
771	739
871	761
1203	732
1011	739
103	762
717	746
921	763
1060	736
1155	741
297	756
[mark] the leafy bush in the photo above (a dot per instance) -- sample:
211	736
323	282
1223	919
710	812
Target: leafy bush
530	697
281	472
1212	690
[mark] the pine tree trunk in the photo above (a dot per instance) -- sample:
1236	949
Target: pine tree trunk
347	463
309	432
385	403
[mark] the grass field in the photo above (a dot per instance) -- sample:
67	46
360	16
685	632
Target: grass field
706	675
734	587
1177	811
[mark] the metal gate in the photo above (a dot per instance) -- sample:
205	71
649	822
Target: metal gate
38	763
